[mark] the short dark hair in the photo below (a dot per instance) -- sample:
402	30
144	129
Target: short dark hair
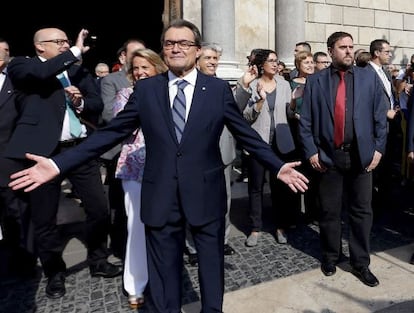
179	23
376	45
318	54
126	43
333	38
304	44
260	58
363	59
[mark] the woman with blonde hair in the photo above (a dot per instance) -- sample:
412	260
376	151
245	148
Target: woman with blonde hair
144	63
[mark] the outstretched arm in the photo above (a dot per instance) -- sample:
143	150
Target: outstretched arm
43	171
291	177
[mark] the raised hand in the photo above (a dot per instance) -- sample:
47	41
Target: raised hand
43	171
291	177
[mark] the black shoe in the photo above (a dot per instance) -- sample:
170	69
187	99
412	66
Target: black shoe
328	269
412	259
366	276
228	250
193	259
55	288
105	269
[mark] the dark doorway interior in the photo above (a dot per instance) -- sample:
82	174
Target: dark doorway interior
112	25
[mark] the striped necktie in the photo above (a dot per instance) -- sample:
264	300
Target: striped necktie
178	109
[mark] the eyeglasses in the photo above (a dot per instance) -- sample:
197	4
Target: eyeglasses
59	42
182	44
272	61
324	62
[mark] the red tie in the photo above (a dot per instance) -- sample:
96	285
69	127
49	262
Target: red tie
340	111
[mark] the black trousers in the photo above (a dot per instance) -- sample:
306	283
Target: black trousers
345	186
165	247
44	203
15	219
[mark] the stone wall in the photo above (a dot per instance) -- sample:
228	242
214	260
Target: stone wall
364	19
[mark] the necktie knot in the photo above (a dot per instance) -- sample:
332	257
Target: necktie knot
181	84
341	74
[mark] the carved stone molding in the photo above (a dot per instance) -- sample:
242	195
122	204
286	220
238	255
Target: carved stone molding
173	9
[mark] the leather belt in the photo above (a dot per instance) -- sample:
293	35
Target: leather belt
346	147
70	142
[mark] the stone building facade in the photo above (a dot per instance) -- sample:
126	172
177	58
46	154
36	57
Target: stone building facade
241	25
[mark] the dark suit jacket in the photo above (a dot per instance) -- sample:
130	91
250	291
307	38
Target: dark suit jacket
8	115
369	117
41	102
193	168
410	125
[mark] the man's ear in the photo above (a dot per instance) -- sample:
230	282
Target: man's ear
330	52
39	47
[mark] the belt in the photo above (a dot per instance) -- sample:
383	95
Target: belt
70	142
346	147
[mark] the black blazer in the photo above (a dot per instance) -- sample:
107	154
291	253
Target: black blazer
41	102
8	115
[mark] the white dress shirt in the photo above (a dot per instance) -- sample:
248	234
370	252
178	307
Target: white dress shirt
188	90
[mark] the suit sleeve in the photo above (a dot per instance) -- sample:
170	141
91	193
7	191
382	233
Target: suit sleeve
103	139
249	139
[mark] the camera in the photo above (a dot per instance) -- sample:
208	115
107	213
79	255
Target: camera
91	41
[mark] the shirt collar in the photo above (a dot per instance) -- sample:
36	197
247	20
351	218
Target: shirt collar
335	70
375	66
190	78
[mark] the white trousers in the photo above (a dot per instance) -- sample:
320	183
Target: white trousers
135	265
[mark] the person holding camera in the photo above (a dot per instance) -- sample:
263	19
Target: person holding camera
55	94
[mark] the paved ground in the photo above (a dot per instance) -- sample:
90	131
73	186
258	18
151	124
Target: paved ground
250	269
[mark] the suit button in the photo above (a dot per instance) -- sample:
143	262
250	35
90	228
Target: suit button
179	154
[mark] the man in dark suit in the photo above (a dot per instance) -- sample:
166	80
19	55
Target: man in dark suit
344	146
410	144
14	223
183	179
388	174
46	100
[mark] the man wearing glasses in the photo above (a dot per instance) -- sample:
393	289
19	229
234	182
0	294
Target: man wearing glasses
182	114
321	60
388	174
54	95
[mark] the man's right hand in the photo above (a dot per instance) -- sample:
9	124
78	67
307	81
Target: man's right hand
83	34
43	171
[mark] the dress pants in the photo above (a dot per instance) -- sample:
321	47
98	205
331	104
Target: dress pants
15	222
165	247
135	263
346	183
44	203
189	242
285	203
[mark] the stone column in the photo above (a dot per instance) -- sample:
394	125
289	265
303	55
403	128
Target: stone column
290	28
218	26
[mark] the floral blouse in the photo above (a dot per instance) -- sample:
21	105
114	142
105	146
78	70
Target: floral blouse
132	158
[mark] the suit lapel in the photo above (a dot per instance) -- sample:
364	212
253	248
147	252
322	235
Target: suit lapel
6	91
357	86
197	104
163	98
326	86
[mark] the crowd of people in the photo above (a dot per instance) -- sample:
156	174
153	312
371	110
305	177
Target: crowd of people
333	129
